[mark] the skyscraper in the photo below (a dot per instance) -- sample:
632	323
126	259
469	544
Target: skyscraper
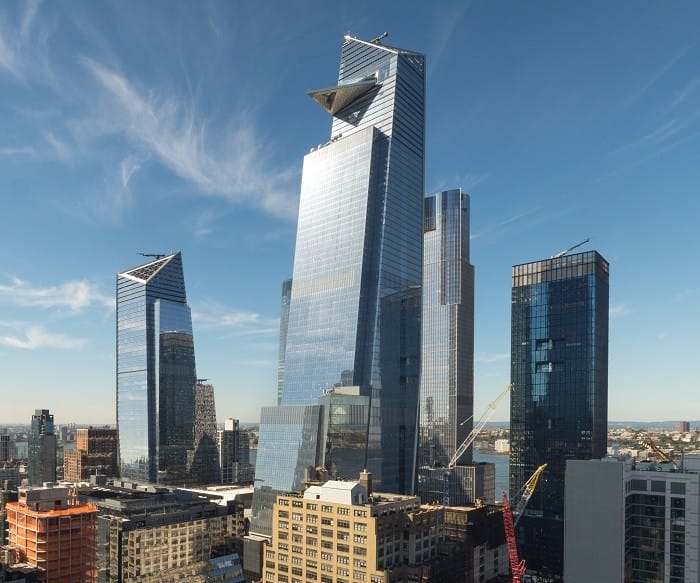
155	371
203	459
354	308
284	324
559	407
42	448
447	353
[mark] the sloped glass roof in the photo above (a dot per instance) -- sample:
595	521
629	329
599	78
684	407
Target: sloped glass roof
145	272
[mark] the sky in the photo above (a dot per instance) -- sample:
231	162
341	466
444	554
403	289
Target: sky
157	126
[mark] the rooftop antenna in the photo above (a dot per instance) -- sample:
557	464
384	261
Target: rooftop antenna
565	251
378	39
156	255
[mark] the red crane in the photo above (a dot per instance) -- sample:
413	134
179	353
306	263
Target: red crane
510	519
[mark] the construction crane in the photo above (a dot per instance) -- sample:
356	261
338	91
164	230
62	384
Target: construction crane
156	255
510	521
486	415
660	455
566	251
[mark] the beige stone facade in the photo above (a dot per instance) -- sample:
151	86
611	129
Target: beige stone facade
336	533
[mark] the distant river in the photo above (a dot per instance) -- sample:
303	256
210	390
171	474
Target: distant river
501	463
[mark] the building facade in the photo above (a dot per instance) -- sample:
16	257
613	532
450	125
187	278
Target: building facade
155	372
337	532
5	448
157	534
96	451
447	352
651	518
284	325
558	408
42	448
203	459
233	445
54	533
354	307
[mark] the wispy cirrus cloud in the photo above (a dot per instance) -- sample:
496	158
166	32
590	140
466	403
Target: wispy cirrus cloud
26	336
24	44
233	164
75	295
241	322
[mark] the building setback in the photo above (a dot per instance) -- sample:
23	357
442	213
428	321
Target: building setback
53	532
42	448
155	372
559	405
354	307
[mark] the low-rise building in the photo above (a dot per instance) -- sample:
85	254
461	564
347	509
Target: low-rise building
159	534
342	531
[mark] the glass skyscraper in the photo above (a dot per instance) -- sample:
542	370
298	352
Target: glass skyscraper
559	405
447	352
42	448
155	372
354	307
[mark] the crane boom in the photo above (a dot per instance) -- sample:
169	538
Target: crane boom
490	410
660	455
510	520
527	491
565	251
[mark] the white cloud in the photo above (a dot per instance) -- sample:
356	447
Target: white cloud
242	322
236	167
74	295
35	336
619	310
491	358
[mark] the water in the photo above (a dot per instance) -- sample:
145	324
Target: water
501	463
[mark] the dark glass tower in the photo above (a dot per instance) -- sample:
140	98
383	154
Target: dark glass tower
42	448
354	308
447	351
155	372
559	406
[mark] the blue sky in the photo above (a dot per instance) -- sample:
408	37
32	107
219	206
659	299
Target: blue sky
158	126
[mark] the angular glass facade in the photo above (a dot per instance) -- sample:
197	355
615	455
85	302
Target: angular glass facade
155	372
559	405
284	324
447	350
354	307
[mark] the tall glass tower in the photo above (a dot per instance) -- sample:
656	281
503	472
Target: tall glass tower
559	407
42	448
447	355
354	308
155	372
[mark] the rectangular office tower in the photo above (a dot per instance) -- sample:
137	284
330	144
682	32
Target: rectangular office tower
155	372
354	307
447	351
42	448
559	405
